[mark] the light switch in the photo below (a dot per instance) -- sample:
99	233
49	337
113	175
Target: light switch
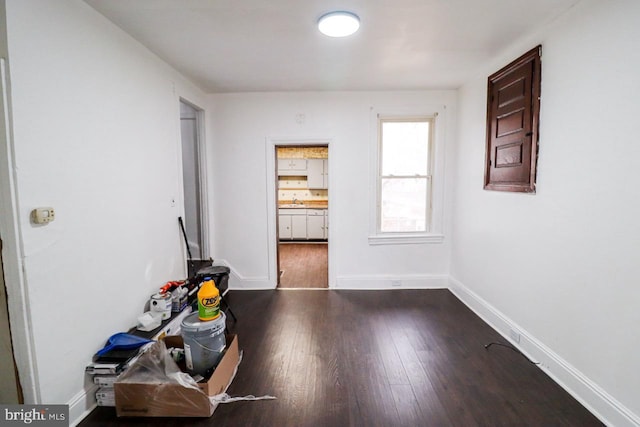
43	215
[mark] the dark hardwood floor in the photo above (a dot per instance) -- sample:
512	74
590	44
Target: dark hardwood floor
303	265
375	358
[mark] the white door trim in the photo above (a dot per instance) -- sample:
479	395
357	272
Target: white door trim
13	254
201	145
270	179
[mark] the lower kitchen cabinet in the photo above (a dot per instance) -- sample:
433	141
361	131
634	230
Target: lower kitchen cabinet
298	226
292	224
284	226
316	224
302	224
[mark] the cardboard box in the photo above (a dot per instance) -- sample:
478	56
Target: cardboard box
172	399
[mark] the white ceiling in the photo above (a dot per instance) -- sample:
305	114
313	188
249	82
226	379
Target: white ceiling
274	45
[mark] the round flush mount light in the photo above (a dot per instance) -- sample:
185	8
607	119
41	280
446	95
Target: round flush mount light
338	24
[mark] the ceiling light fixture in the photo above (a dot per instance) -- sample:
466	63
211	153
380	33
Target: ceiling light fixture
338	24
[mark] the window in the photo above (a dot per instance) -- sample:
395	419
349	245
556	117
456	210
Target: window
404	175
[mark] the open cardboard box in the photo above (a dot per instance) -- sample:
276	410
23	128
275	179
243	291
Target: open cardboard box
172	399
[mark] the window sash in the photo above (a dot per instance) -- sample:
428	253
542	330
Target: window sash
395	216
405	211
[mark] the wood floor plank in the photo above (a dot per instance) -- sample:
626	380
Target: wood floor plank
375	358
396	374
303	265
373	393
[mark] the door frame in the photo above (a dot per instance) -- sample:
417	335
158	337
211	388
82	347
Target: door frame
201	147
12	252
272	203
10	386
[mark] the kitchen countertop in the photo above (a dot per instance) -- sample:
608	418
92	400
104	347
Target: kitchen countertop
306	205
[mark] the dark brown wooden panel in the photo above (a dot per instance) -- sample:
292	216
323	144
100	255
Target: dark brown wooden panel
513	105
512	92
512	122
509	155
374	358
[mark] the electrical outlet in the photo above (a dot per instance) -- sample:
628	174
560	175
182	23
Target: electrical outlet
42	215
514	335
396	283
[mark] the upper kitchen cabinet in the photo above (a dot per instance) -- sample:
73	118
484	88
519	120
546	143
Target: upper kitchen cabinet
317	173
292	167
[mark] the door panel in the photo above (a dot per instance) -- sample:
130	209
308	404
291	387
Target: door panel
512	125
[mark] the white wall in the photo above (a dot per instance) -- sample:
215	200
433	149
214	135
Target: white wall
563	265
242	126
96	135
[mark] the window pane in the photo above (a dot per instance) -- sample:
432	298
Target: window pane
405	148
403	204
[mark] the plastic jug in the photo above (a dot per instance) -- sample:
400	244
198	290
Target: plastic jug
208	300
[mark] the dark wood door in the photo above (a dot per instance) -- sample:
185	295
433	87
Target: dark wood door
513	106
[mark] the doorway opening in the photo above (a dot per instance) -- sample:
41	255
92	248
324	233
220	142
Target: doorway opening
10	390
302	188
193	190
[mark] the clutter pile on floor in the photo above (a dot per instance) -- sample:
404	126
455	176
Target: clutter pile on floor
178	361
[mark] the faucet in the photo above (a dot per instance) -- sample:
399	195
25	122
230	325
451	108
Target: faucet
295	201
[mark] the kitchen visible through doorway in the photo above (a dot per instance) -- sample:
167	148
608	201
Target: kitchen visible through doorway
303	215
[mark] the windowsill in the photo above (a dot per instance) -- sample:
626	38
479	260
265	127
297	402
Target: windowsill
405	239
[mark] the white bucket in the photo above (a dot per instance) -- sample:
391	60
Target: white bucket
204	342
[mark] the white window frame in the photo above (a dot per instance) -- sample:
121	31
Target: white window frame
433	233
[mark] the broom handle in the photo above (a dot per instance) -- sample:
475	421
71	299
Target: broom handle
186	242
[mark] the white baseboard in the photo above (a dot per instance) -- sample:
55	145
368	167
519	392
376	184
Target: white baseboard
239	282
252	284
81	405
392	282
590	395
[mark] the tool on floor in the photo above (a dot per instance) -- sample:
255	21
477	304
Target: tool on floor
186	242
122	341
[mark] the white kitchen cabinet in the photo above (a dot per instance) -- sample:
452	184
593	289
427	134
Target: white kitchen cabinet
326	224
292	167
317	224
298	226
292	224
317	173
303	224
284	227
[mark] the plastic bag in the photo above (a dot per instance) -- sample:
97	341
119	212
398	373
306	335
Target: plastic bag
155	386
157	366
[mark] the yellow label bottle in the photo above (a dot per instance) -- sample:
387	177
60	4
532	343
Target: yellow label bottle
208	300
